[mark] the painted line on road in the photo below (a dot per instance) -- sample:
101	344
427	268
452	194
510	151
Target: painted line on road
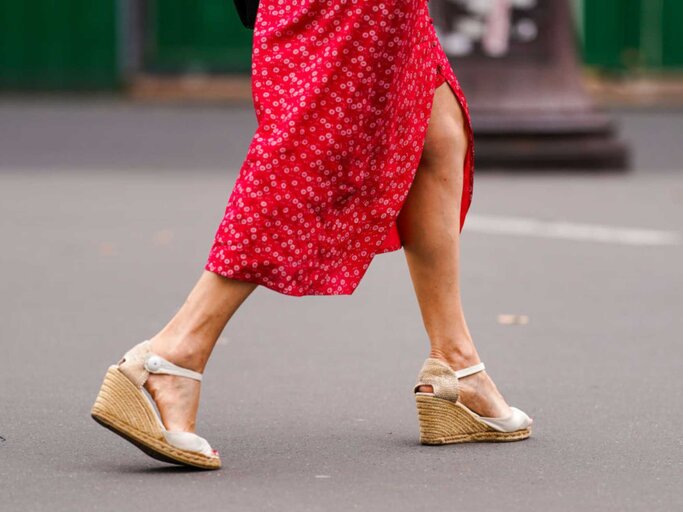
527	226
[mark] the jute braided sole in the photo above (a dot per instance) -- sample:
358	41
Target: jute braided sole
445	422
122	408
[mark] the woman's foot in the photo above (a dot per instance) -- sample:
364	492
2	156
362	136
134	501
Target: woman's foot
123	407
176	398
479	393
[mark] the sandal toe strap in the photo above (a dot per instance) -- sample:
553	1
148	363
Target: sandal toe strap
190	442
517	420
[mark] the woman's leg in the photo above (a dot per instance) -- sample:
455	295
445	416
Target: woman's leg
429	228
187	340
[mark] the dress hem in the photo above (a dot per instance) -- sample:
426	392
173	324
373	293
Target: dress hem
464	207
321	279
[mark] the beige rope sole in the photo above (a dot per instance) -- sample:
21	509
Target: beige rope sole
445	422
124	409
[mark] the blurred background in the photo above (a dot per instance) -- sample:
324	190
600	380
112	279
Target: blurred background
538	73
123	124
109	44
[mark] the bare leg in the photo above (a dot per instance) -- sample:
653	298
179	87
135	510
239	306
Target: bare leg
188	340
429	228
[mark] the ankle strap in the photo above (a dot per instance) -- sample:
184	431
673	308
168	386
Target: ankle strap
470	370
157	364
140	361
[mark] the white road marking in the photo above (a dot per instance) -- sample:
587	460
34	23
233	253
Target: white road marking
527	226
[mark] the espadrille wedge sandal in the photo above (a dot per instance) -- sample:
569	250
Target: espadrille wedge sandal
123	407
444	419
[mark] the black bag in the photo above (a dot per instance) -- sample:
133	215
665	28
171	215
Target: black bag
247	11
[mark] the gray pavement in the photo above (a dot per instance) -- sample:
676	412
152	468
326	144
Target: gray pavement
107	211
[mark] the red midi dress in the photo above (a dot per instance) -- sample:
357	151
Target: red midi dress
342	92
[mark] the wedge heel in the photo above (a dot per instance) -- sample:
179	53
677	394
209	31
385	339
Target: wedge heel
120	401
445	422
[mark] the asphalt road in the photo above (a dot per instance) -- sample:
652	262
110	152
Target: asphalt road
107	211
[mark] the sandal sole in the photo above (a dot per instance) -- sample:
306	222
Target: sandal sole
445	422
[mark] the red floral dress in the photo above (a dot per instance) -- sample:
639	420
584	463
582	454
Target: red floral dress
342	91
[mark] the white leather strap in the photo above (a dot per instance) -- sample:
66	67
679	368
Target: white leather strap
517	420
469	370
189	441
157	364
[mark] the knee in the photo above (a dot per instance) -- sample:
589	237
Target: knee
445	148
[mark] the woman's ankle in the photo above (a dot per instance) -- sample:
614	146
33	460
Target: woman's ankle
183	351
457	354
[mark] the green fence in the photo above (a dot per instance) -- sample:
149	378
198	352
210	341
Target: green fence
627	35
191	35
62	44
70	44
